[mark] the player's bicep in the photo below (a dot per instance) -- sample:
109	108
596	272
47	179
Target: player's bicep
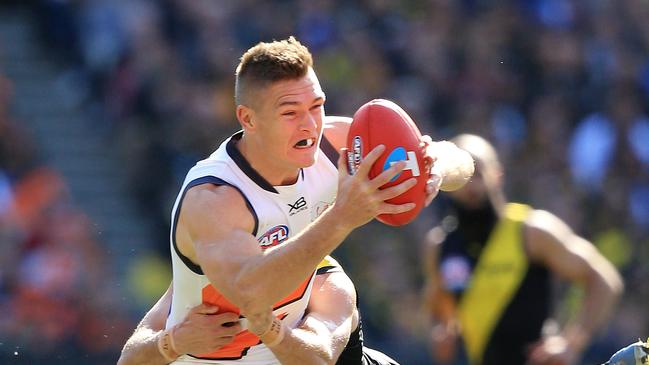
219	225
331	310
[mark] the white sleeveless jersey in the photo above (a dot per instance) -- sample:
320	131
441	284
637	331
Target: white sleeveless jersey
280	212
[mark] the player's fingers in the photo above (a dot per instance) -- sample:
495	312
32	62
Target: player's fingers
396	208
387	174
396	190
432	188
228	317
369	160
429	156
343	170
205	308
231	330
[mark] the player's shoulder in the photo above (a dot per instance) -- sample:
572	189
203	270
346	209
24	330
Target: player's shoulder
545	233
337	120
209	195
225	204
335	129
543	221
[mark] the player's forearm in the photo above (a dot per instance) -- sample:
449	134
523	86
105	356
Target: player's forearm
296	260
302	347
455	165
601	294
313	342
142	349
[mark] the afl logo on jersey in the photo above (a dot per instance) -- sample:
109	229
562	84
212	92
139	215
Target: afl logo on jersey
273	237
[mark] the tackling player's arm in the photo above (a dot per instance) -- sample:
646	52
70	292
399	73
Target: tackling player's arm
220	241
142	346
325	330
552	243
202	330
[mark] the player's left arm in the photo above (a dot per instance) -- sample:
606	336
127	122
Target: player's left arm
142	346
202	330
324	331
553	244
451	167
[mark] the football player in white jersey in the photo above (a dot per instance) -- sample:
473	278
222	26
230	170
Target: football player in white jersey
217	244
333	299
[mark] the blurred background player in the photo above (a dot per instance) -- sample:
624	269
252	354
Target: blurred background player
489	270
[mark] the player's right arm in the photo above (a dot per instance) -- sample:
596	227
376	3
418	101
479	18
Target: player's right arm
325	330
551	242
218	226
439	305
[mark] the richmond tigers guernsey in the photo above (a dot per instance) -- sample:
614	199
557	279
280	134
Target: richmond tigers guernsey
279	212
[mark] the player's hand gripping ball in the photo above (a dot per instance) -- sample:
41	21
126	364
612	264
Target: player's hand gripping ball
384	122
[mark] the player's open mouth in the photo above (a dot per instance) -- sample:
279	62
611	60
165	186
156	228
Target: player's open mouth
305	143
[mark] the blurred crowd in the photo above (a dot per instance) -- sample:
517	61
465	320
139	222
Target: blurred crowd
561	87
56	302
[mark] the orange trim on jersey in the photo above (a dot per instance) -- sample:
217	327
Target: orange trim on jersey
244	340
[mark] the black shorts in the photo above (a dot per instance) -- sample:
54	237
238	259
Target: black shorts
356	353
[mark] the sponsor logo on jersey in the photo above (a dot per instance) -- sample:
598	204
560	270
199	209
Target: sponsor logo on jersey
400	154
273	237
297	207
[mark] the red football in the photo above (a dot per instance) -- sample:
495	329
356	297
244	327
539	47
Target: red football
378	122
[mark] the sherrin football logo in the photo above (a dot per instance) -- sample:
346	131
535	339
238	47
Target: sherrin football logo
273	237
400	154
355	156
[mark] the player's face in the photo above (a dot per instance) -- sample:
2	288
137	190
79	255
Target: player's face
290	120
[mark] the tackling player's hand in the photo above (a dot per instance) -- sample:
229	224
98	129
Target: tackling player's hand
203	331
435	174
359	198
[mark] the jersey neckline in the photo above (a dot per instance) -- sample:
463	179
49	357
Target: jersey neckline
245	166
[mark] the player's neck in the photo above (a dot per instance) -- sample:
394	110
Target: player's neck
266	166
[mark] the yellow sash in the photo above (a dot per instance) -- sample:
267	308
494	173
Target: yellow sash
495	279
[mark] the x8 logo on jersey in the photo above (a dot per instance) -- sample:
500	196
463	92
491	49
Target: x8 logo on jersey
400	154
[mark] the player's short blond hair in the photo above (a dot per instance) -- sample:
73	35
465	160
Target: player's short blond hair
266	63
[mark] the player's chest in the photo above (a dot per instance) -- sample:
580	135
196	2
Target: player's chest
289	211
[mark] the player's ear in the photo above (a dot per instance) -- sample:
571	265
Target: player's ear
245	116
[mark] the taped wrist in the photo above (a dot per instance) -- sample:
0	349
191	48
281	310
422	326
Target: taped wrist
274	334
166	345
